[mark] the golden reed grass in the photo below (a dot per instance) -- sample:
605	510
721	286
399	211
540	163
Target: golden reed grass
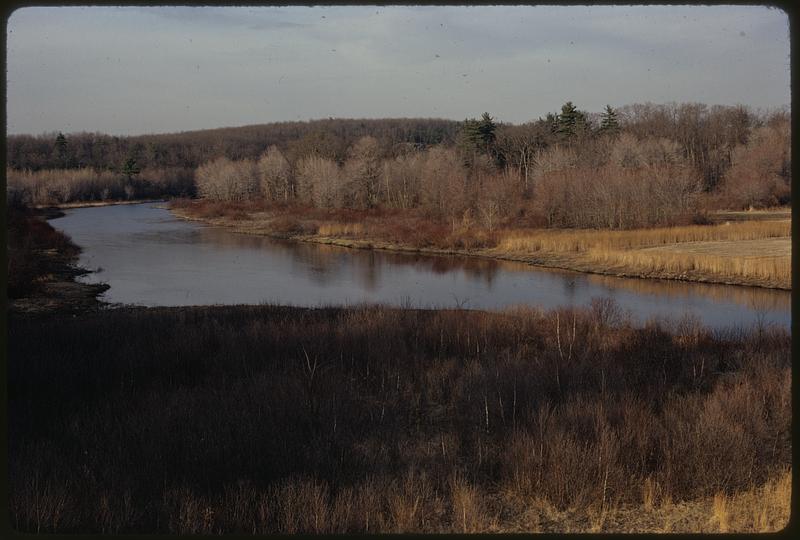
764	508
769	268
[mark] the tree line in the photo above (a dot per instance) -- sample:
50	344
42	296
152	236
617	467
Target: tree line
193	148
640	165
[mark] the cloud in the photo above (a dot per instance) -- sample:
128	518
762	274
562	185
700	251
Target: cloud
133	69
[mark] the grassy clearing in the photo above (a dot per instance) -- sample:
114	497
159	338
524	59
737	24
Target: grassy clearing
260	419
751	249
753	215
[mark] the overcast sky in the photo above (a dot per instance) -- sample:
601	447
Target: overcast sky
153	70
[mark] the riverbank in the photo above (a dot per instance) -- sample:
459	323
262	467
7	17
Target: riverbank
42	267
270	419
730	252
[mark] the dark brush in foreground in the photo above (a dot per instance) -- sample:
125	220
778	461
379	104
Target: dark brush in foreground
266	419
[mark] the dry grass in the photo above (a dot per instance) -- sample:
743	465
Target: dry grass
680	263
760	248
720	515
586	240
751	252
765	508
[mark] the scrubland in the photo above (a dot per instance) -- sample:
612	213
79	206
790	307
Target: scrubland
262	419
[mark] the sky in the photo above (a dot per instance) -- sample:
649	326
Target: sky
137	70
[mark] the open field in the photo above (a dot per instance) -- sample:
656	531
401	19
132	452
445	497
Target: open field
269	419
728	252
755	249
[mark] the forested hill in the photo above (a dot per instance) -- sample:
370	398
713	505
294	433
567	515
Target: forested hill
331	137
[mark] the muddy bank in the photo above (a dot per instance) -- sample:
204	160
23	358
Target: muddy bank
42	267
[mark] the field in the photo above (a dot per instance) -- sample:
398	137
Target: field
755	252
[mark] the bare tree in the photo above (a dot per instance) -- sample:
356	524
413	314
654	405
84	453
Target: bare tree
274	175
319	182
226	180
362	171
443	191
401	178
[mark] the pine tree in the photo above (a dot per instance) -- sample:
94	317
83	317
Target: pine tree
480	134
486	130
609	124
471	133
130	168
61	149
570	121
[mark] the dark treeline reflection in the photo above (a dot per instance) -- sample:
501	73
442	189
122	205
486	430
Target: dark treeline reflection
326	261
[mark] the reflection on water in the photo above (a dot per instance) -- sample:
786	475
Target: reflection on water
150	258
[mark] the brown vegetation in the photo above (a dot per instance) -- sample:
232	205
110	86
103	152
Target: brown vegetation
266	419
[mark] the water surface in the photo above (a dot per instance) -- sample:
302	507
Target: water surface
151	258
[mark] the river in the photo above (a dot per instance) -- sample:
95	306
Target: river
151	258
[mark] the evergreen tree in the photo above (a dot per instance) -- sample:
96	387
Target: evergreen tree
480	136
486	130
61	149
130	168
609	124
571	121
471	133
